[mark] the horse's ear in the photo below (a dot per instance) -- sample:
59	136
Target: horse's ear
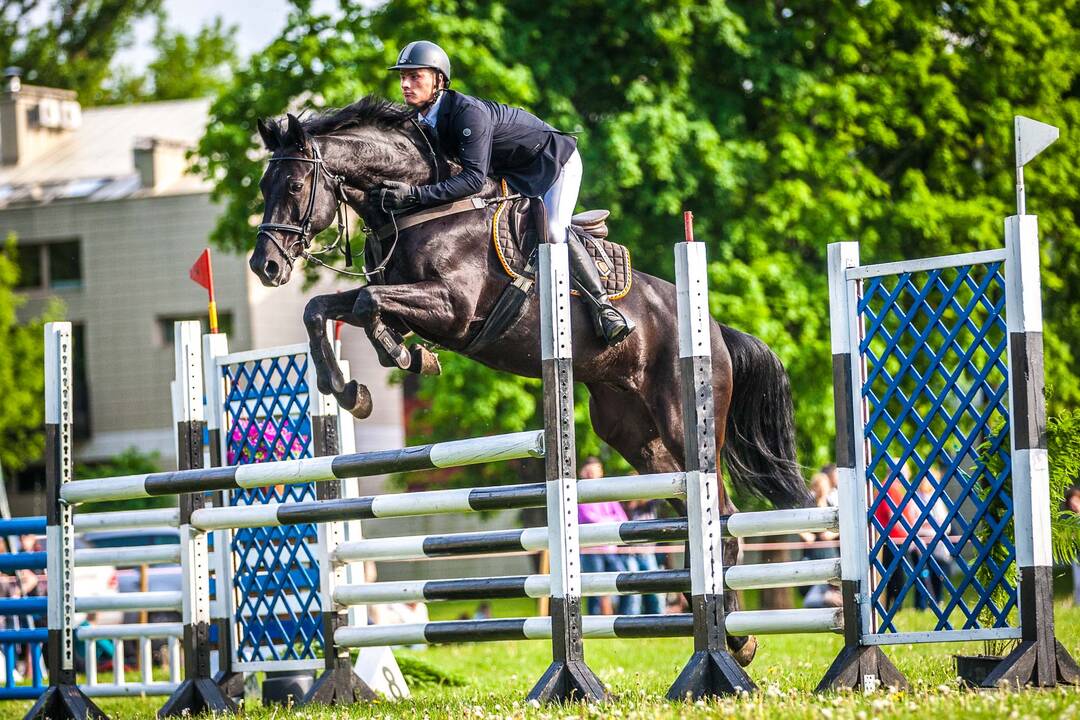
269	135
296	135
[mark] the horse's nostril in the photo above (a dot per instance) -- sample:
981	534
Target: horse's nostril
271	270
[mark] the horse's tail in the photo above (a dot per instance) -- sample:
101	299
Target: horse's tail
759	450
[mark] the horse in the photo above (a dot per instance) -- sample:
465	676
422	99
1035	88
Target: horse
441	279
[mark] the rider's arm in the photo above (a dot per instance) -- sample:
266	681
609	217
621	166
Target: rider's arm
472	129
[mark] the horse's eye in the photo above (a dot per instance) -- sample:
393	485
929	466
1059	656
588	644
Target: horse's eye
295	186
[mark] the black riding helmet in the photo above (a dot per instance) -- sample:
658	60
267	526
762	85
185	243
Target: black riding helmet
423	54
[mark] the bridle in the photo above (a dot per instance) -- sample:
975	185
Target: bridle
301	247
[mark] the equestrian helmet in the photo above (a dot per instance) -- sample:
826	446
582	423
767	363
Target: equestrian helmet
423	54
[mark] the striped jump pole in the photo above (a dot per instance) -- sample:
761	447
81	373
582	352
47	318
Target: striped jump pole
711	671
746	622
418	547
568	677
63	699
198	693
737	577
457	453
1040	659
857	666
432	502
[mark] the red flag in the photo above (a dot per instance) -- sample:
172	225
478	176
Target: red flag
201	273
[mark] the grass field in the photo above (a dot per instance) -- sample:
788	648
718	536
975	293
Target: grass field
498	675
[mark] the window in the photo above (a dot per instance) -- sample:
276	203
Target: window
166	330
50	265
29	267
65	264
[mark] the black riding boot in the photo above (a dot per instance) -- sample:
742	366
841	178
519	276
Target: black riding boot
610	324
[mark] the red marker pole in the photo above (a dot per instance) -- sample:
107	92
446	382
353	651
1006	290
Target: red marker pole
688	225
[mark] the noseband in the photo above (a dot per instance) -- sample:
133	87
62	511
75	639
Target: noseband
303	230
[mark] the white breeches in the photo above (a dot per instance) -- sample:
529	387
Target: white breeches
561	199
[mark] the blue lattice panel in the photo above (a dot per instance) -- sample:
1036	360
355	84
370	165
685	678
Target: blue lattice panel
934	352
275	572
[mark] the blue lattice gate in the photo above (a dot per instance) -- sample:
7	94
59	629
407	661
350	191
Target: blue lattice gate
269	409
941	452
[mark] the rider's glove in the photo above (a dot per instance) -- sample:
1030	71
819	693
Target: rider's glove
398	195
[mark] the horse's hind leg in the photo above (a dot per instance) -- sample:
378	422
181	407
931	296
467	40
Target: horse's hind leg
620	418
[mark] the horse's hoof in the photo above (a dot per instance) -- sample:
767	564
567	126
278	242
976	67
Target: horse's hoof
424	362
745	655
357	400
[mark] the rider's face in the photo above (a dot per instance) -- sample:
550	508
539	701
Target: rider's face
417	86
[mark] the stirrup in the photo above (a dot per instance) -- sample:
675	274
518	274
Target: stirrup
604	321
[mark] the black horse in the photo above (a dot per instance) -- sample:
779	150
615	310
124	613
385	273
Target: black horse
443	278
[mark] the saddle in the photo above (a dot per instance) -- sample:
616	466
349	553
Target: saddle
515	236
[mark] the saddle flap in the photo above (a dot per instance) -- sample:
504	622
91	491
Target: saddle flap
514	237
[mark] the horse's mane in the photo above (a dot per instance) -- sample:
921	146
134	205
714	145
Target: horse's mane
369	111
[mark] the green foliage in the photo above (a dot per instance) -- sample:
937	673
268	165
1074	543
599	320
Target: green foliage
129	462
783	126
68	43
184	66
22	383
1063	439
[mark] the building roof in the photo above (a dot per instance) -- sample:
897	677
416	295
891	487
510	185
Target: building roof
96	161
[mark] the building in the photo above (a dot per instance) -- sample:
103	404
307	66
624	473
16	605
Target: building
109	220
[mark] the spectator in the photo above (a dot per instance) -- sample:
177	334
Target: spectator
833	475
823	595
1072	504
939	565
893	502
650	603
604	558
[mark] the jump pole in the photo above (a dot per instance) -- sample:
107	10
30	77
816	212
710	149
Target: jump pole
568	677
198	693
63	700
711	670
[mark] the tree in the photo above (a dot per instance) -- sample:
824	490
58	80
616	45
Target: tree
184	66
68	43
784	125
22	383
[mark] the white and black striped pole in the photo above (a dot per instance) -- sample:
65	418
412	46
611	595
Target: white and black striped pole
337	683
568	677
1039	659
711	670
62	699
231	682
198	693
857	666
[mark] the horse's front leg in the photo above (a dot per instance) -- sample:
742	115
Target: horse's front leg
423	305
351	395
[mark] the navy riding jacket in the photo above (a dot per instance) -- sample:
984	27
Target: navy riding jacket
489	138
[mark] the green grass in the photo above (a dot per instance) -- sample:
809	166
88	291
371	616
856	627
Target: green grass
639	672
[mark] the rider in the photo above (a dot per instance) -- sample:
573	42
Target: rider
486	137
